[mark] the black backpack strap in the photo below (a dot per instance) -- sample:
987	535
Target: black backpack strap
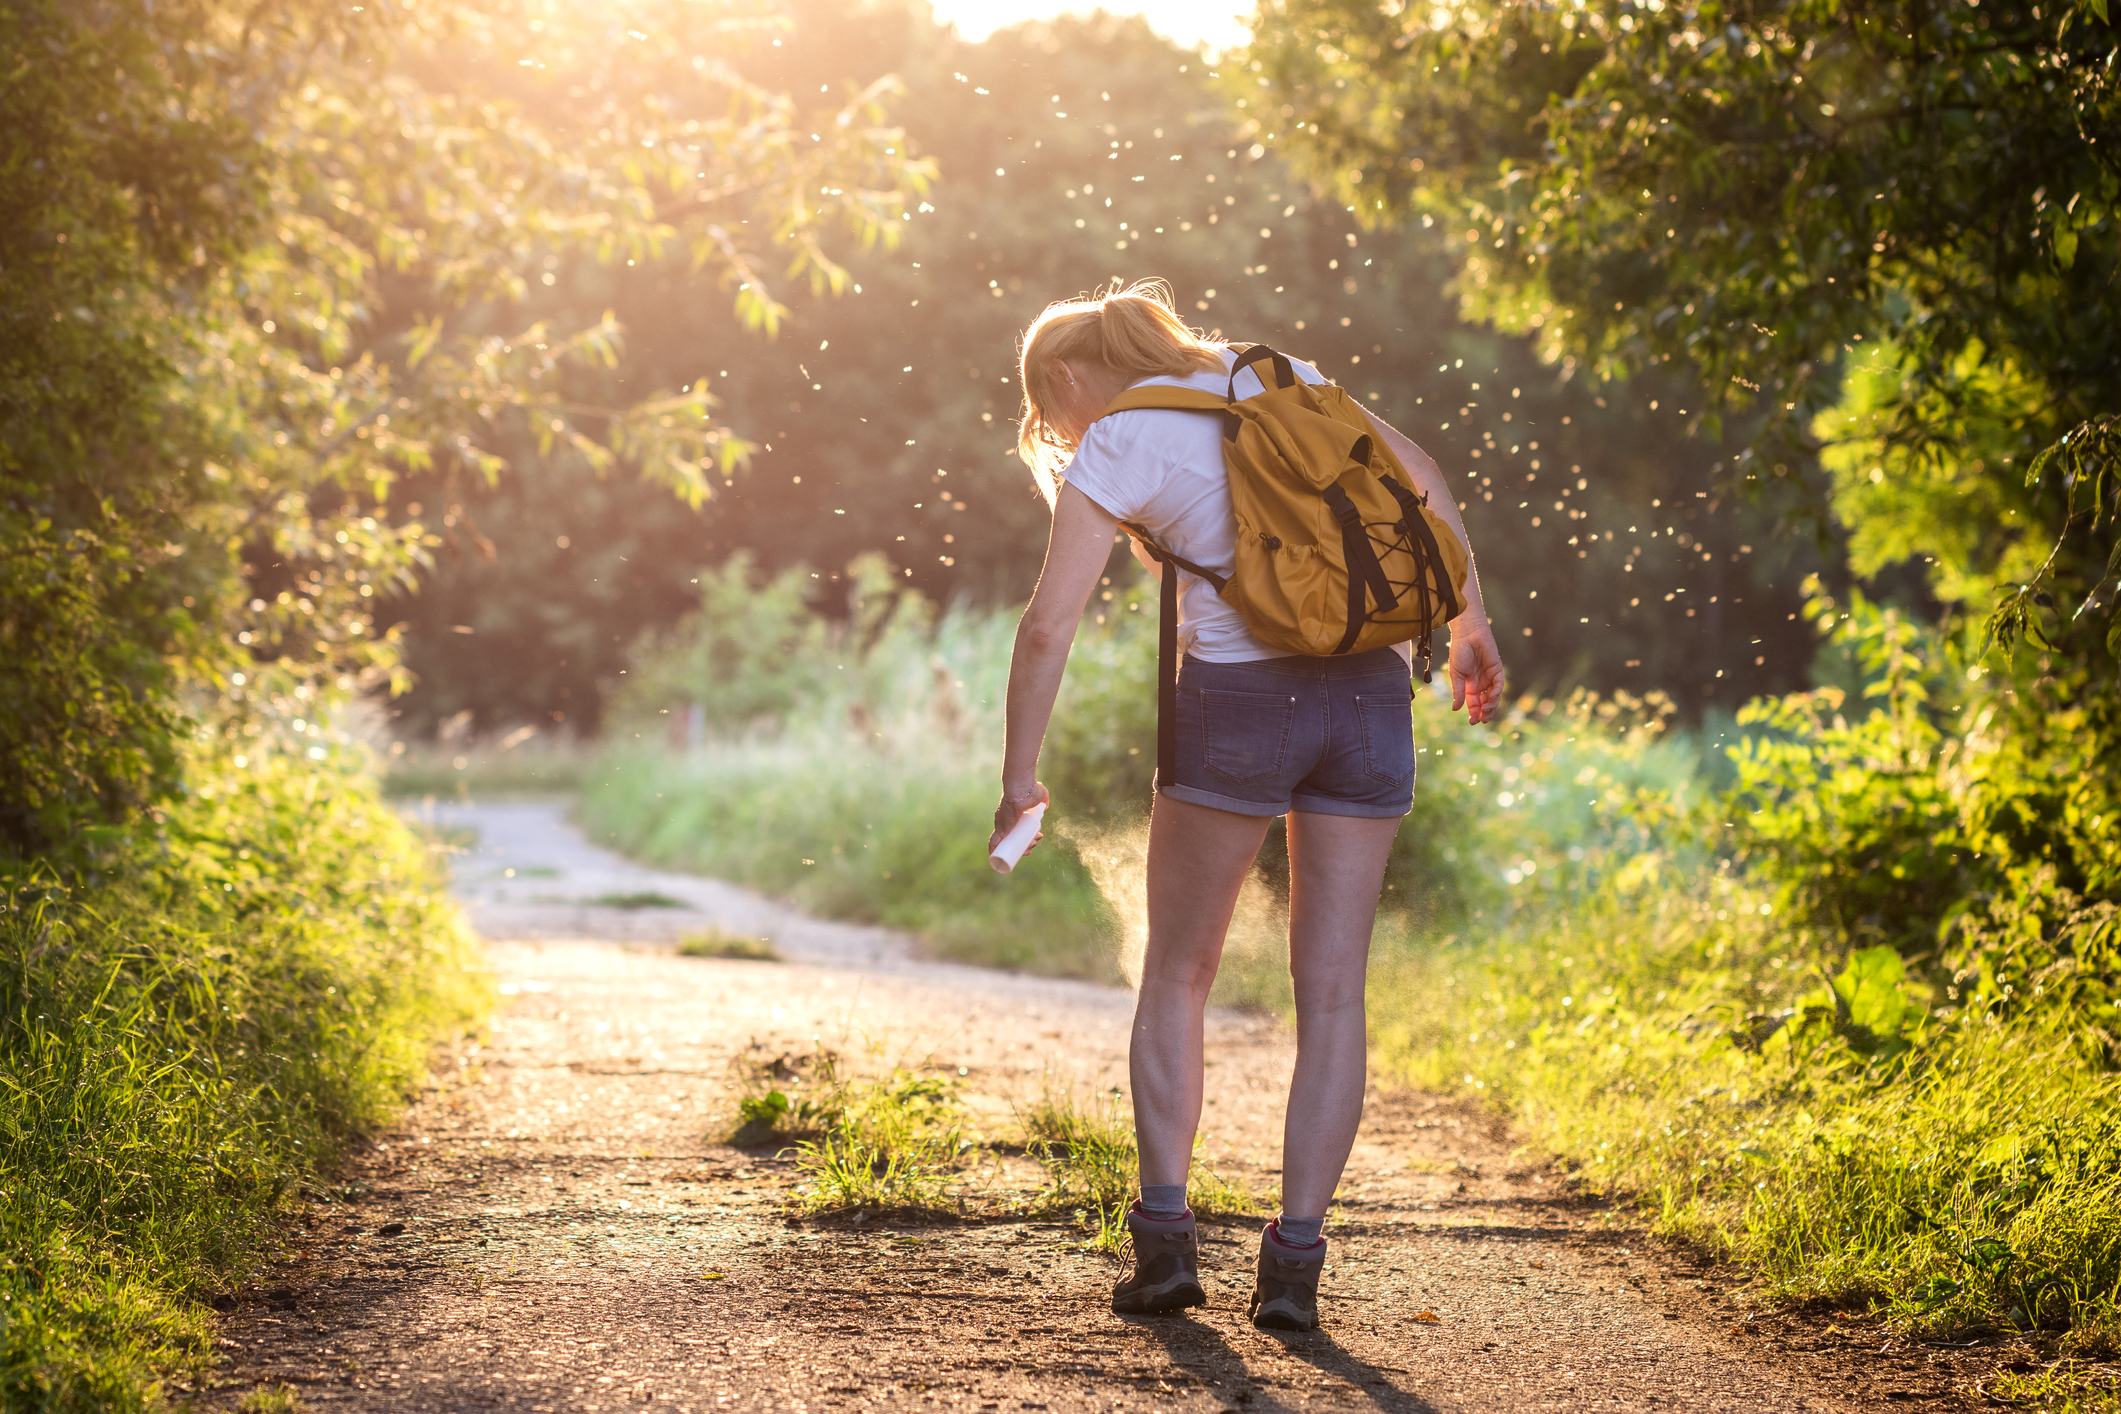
1426	550
1167	679
1284	375
1167	646
1364	572
1428	564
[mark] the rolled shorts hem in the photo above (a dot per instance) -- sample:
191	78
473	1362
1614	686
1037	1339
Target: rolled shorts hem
1353	809
1307	804
1194	795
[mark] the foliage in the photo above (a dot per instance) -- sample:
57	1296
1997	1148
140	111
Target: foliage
866	799
182	1042
1860	823
83	745
1921	827
884	418
751	650
1752	193
264	265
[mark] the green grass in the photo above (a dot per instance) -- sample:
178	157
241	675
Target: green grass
183	1040
869	793
896	1146
2065	1386
871	796
713	942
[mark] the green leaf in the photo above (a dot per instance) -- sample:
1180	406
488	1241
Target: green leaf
1871	987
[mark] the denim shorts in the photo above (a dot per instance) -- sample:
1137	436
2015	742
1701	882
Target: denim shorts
1333	736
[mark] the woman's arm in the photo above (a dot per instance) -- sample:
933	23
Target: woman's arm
1075	558
1476	661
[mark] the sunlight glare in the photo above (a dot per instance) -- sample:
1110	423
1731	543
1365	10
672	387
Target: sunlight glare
1220	24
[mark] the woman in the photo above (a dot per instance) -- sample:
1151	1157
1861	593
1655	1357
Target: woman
1326	741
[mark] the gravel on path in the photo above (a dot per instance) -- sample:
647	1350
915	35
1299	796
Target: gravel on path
555	1225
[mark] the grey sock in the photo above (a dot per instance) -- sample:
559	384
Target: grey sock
1299	1232
1165	1202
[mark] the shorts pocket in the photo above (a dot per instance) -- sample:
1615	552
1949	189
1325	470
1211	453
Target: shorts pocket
1387	736
1244	735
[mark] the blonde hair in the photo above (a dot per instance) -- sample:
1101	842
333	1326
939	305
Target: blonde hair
1132	330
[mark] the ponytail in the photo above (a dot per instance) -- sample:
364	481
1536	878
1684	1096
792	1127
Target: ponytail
1133	331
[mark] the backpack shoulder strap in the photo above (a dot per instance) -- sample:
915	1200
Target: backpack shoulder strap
1284	373
1165	396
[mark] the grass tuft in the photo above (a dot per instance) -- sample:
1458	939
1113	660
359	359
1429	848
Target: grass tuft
636	900
786	1097
1093	1167
713	942
894	1146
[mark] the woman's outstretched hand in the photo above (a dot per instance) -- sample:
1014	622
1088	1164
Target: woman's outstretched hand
1476	671
1012	810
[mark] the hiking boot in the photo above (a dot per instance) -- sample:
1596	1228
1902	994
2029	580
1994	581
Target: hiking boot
1166	1267
1285	1293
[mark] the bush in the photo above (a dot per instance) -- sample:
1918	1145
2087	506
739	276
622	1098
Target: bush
183	1038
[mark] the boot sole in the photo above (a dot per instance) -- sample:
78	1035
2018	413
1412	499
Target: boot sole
1174	1295
1275	1316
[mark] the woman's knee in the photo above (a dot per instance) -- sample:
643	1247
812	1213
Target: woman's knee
1328	993
1190	974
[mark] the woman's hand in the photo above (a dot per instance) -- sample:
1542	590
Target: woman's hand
1476	670
1011	810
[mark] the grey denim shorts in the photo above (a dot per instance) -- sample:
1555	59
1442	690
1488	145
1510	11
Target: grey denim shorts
1333	736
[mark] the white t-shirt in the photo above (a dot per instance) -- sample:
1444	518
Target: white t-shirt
1163	470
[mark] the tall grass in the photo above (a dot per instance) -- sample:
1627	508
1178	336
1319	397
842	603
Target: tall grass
183	1038
1680	1044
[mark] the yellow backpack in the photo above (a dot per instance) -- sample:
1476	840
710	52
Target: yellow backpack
1336	551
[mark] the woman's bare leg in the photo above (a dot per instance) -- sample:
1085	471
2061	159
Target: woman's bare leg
1336	870
1197	862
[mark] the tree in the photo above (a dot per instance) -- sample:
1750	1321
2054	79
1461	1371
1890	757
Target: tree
1068	155
260	264
1883	232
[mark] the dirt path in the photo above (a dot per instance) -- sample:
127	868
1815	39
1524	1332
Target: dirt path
555	1226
